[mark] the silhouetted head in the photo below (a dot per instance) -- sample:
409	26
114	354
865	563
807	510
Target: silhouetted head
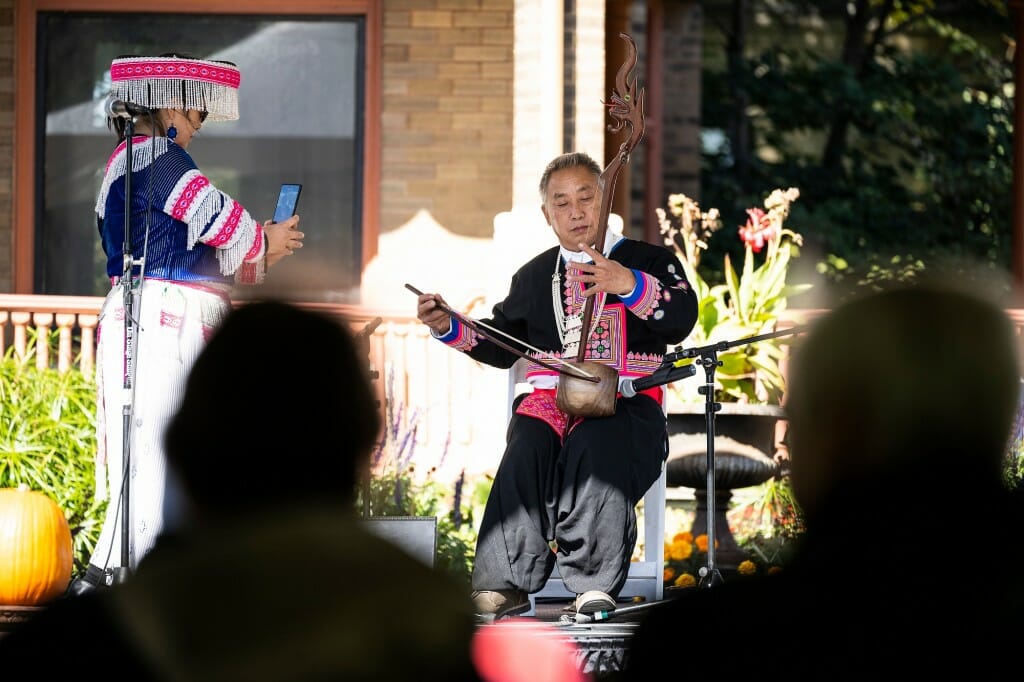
917	384
277	408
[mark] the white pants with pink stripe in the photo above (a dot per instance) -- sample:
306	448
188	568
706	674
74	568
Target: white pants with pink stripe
174	322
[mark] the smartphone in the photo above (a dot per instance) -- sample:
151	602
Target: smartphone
287	200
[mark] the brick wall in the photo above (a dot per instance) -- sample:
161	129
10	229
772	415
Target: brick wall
6	140
446	113
446	116
682	84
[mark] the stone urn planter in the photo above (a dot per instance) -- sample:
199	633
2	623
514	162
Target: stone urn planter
744	446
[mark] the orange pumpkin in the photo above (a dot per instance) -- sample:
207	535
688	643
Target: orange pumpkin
35	548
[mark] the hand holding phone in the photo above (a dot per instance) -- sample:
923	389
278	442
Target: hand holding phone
287	201
283	240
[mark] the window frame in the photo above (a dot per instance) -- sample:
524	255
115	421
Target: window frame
26	197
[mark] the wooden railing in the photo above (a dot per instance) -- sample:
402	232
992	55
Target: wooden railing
419	377
73	317
456	405
74	320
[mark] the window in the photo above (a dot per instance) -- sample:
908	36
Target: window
301	104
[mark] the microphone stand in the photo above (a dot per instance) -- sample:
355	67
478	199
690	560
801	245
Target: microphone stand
707	357
120	573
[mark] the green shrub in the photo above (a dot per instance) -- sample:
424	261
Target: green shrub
48	441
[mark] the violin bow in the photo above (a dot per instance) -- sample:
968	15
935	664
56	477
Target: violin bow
477	327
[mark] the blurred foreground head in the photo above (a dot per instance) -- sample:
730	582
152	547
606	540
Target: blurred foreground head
912	387
278	408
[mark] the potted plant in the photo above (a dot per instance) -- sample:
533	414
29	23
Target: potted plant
748	385
747	303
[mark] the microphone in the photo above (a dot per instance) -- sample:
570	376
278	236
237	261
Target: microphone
116	108
665	374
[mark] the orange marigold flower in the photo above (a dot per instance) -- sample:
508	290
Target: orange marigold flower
702	542
680	550
685	580
668	574
772	570
685	536
746	567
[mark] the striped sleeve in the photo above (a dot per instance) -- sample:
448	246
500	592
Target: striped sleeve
460	337
216	220
643	300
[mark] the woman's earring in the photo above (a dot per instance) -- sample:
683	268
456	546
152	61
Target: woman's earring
172	132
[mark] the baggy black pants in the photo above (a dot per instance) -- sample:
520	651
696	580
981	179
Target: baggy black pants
579	498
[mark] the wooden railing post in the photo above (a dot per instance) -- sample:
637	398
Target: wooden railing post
42	322
65	321
20	319
87	358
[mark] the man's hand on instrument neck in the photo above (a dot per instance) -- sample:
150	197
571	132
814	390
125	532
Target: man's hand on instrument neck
603	274
429	313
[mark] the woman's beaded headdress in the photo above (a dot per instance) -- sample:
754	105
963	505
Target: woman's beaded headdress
178	83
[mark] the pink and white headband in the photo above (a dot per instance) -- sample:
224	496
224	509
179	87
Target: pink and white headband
178	83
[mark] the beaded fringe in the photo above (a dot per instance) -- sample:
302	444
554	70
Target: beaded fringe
219	101
143	153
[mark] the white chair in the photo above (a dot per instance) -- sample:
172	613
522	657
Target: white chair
645	577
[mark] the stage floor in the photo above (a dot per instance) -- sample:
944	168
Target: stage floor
561	611
601	645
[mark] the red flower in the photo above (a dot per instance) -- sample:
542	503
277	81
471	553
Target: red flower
758	230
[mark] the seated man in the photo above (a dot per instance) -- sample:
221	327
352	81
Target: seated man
567	486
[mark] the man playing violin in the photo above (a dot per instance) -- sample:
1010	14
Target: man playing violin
566	489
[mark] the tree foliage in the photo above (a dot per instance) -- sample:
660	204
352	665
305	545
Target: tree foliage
893	118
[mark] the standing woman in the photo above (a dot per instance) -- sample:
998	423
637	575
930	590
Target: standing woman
190	244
